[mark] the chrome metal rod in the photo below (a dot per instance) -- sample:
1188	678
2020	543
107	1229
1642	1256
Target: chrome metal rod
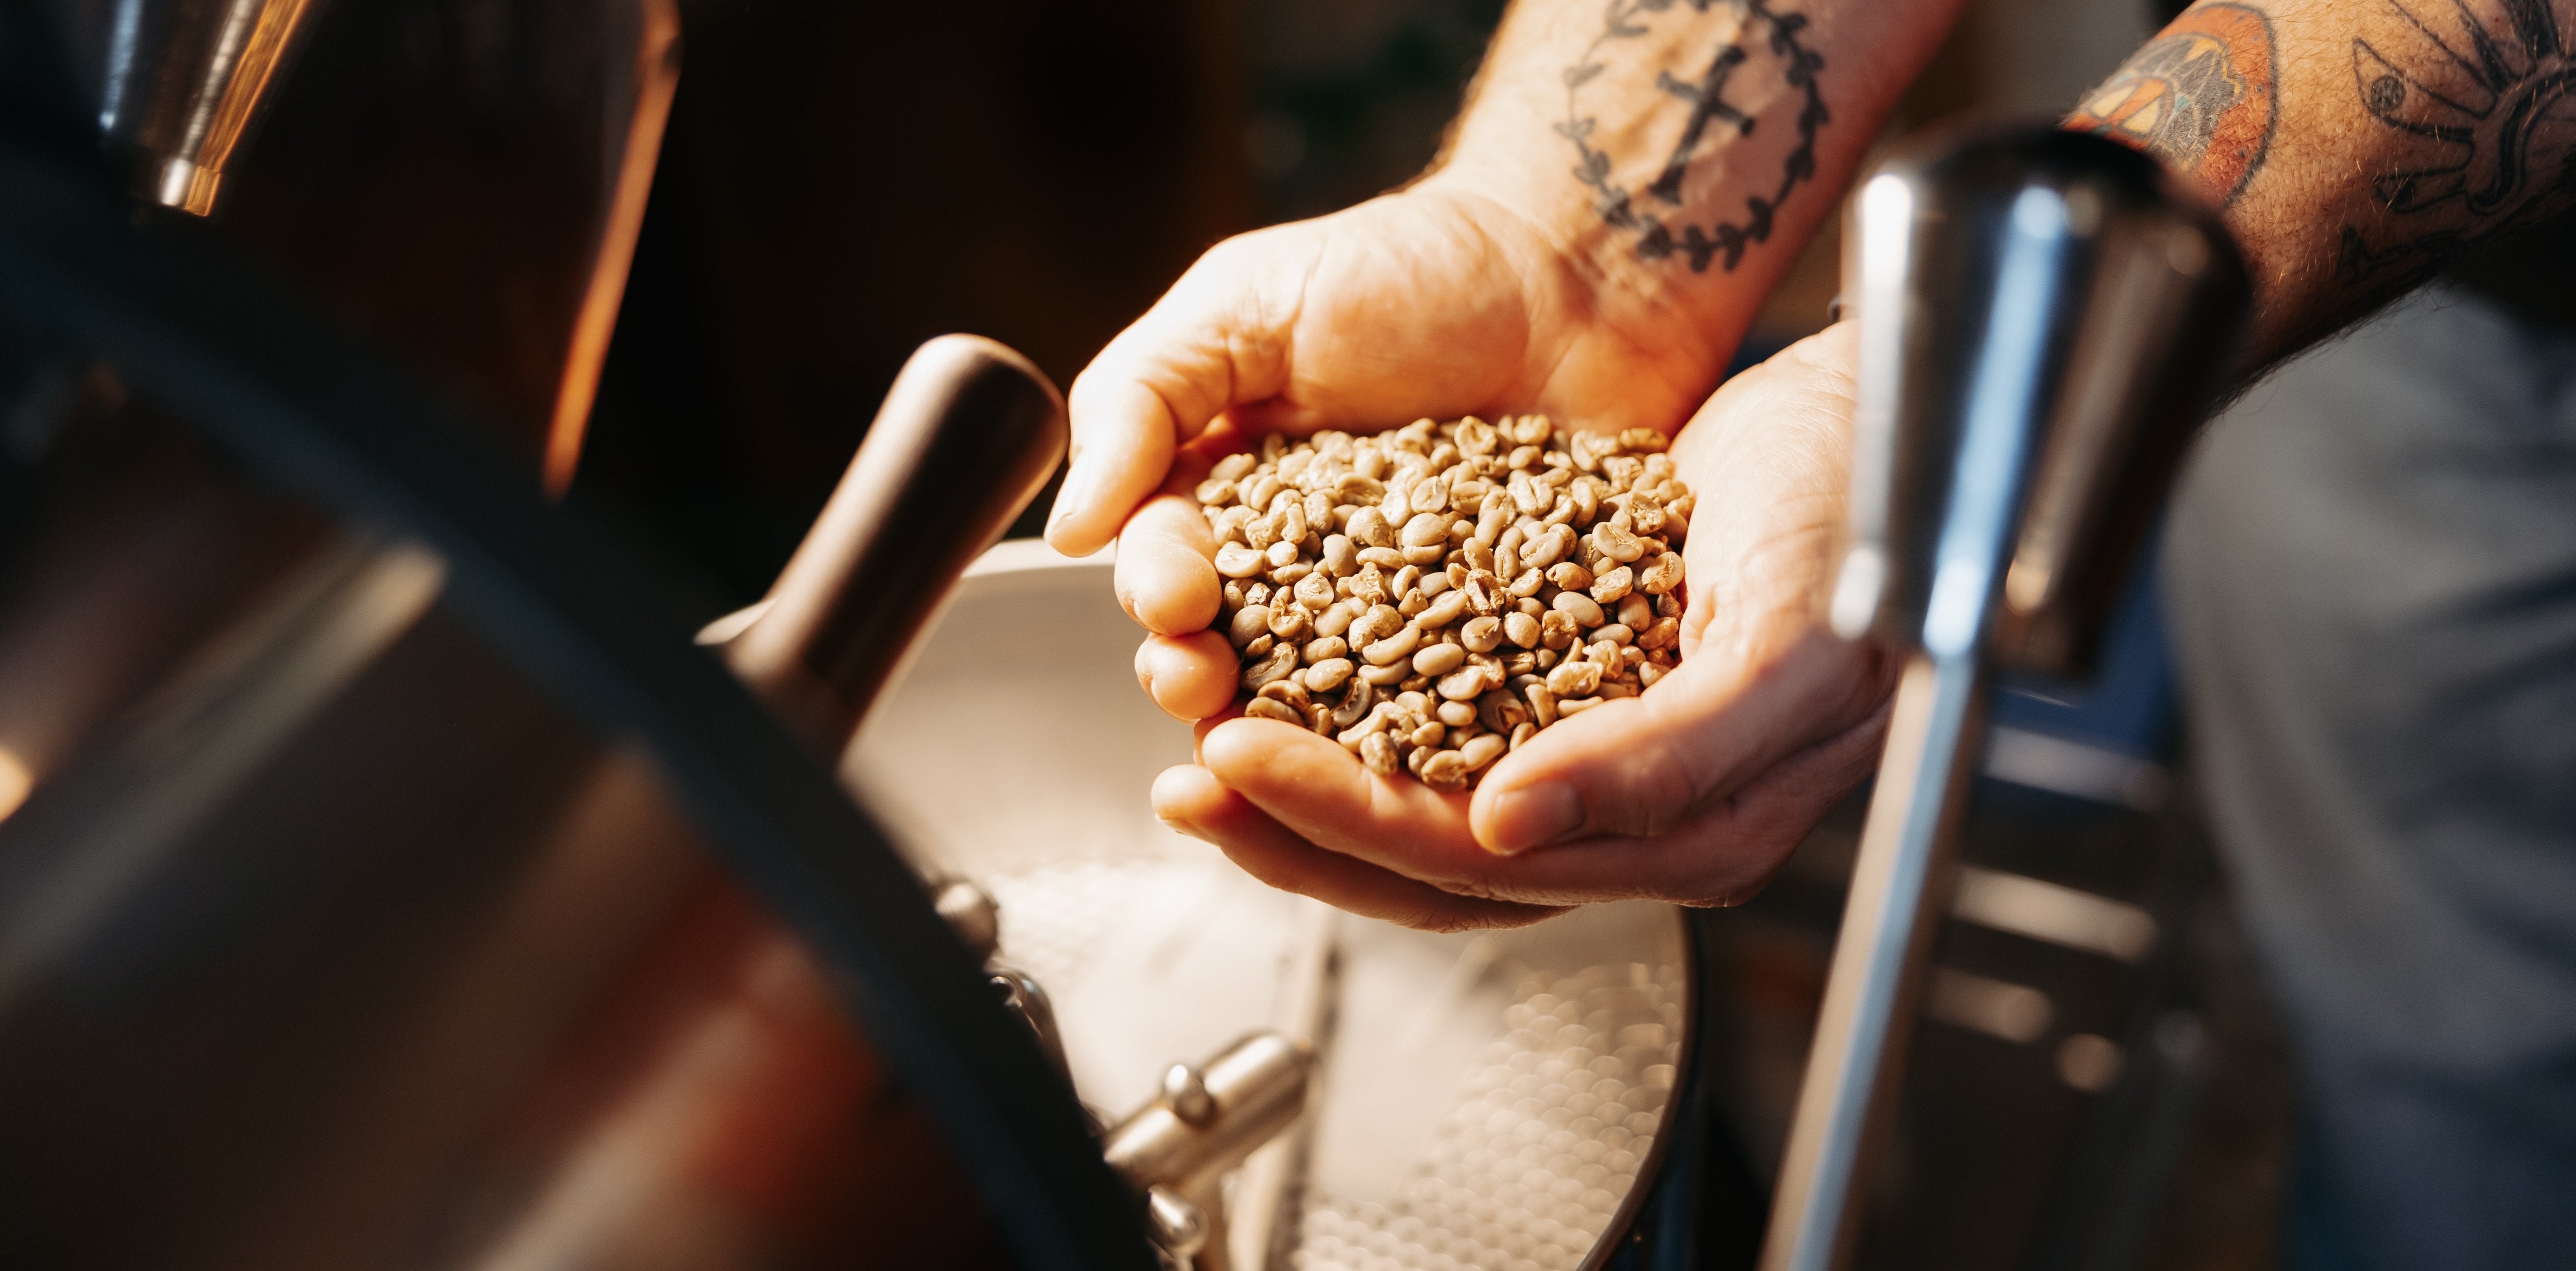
1897	893
1274	1178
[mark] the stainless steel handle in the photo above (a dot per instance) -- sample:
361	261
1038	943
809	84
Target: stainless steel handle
2043	318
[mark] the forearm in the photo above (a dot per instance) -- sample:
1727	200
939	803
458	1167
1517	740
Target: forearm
1679	154
2356	145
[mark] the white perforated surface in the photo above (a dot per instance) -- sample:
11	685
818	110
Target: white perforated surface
1487	1101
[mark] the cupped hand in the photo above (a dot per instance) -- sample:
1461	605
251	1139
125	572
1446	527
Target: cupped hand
1431	302
1694	791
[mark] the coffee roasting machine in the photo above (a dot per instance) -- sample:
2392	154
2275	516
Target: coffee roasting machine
387	879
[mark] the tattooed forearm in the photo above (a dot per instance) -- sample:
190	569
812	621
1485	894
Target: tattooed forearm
1692	154
2475	93
2358	146
2203	96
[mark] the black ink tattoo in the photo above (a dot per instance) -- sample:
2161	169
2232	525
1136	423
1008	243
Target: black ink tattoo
2481	94
1761	32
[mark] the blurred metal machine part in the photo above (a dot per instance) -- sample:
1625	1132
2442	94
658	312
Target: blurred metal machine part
1486	1099
467	178
967	436
183	82
1208	1117
2043	320
386	923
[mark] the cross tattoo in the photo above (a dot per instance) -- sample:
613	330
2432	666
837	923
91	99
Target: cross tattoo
1706	105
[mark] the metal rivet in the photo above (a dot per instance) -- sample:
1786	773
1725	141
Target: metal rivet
1186	1093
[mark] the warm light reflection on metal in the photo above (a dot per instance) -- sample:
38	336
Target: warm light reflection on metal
15	782
2090	1062
2058	915
249	46
2073	768
2000	1009
1886	230
655	75
1994	451
311	642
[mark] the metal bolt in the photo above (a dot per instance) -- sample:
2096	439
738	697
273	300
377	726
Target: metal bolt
1175	1225
971	913
1185	1092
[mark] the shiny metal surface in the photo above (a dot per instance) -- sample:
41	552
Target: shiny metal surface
184	80
1178	1228
379	950
535	941
1898	889
2042	321
1214	1114
1488	1099
465	178
1027	999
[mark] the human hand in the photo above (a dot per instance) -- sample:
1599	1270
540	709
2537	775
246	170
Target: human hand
1693	792
1435	301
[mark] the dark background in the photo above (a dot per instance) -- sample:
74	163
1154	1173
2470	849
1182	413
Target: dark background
840	182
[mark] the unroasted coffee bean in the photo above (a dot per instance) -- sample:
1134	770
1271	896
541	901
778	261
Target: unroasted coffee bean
1482	634
1328	674
1481	751
1660	575
1439	659
1377	750
1465	684
1234	560
1278	663
1394	648
1580	607
1493	577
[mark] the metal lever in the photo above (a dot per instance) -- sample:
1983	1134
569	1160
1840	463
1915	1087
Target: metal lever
1207	1119
967	436
2043	320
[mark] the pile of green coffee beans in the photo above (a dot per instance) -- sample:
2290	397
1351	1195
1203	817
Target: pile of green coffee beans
1433	596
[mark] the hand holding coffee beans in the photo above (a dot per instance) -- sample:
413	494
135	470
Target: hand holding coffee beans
1433	596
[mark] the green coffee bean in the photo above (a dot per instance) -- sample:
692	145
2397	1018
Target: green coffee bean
1494	577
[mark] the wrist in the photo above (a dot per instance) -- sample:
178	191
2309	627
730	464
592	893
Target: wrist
1585	276
1679	157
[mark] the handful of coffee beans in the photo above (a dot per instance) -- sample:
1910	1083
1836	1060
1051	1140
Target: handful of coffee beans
1431	597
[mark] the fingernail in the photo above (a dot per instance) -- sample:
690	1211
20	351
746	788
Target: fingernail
1066	494
1535	816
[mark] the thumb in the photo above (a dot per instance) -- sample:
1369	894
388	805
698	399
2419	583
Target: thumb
1218	339
1639	768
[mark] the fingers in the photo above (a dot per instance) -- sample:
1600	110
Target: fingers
1192	801
1721	856
1297	810
1319	795
1314	813
1642	767
1211	342
1192	677
1166	573
1316	788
